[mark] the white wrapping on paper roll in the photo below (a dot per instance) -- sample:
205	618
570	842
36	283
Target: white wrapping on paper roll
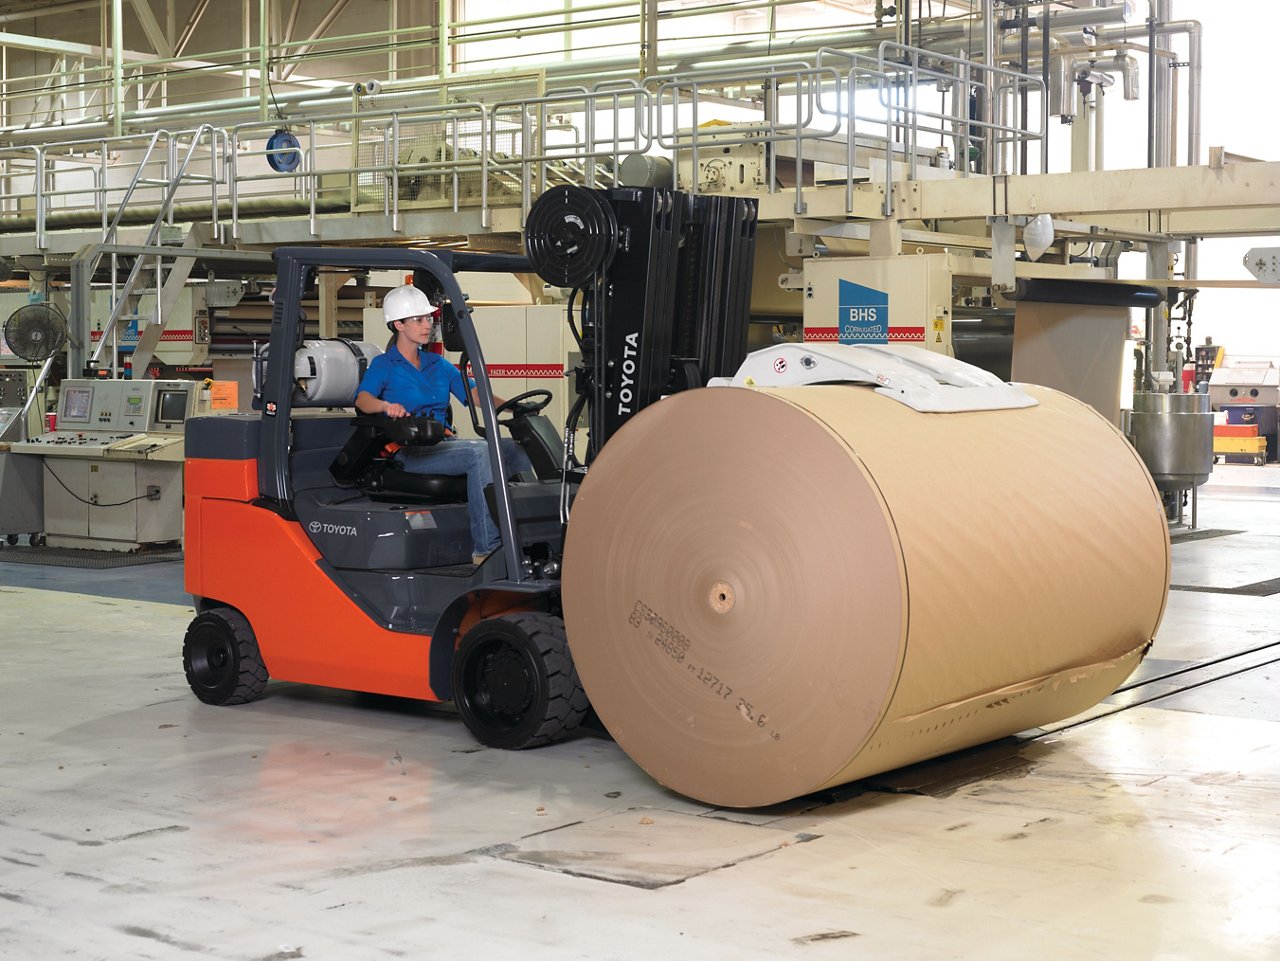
769	592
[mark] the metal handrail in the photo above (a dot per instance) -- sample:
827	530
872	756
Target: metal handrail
109	230
110	332
1008	79
538	152
802	103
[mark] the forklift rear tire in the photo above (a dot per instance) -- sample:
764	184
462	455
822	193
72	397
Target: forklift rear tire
221	658
514	682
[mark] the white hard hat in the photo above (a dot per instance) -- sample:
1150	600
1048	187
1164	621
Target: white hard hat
407	301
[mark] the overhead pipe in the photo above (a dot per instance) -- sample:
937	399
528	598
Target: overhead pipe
1194	33
1067	67
1162	85
757	53
1045	44
986	96
1152	94
1099	133
1062	81
931	33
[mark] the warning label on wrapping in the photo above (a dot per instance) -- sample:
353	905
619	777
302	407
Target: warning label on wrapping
863	314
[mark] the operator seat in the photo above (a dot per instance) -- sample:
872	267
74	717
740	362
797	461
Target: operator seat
366	460
432	488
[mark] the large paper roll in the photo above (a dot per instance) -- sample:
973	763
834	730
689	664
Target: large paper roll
772	591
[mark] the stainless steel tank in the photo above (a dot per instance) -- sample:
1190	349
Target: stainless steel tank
1173	434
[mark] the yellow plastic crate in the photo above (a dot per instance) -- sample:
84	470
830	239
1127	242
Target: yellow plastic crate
1239	445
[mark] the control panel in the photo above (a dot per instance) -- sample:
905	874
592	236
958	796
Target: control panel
15	389
131	419
14	386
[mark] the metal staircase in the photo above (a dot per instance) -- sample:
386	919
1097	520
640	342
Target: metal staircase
159	270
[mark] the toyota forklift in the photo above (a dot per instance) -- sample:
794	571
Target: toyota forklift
312	557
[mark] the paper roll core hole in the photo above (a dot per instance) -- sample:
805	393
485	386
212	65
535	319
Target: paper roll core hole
722	597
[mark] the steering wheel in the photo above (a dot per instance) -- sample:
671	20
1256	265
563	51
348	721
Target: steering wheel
524	405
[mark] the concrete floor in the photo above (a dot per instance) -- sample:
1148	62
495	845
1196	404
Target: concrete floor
136	823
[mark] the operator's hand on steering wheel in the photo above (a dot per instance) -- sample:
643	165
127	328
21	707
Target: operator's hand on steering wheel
395	410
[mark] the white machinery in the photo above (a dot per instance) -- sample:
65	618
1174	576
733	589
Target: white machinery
1052	326
113	465
21	501
1245	382
33	333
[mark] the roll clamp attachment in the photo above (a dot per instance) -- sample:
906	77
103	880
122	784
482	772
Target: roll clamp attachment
921	379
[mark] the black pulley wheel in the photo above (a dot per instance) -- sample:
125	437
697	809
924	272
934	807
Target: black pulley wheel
570	235
221	659
514	682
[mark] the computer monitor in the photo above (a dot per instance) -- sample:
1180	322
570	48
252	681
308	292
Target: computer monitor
171	407
77	402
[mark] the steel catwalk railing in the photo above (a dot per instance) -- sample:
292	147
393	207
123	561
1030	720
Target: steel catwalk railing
807	82
177	175
566	132
126	75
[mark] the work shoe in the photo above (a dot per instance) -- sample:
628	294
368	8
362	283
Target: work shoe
478	559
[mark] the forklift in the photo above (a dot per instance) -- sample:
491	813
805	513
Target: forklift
312	557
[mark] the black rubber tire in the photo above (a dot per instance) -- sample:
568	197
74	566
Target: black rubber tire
35	540
221	659
11	539
514	682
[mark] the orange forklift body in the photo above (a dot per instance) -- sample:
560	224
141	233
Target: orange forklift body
328	640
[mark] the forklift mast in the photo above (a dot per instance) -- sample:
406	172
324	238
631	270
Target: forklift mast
665	282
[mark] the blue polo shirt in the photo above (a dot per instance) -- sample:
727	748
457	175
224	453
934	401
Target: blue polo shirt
422	391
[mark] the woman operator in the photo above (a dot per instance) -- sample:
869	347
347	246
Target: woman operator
409	380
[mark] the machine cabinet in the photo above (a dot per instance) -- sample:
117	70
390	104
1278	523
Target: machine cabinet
104	504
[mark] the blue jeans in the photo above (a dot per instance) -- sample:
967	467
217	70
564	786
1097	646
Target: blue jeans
470	457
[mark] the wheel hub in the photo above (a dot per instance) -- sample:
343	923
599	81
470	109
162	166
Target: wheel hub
506	683
211	662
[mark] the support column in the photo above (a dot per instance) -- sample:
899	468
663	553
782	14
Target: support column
986	106
117	66
1158	267
442	37
264	46
246	40
1082	133
330	281
648	38
886	238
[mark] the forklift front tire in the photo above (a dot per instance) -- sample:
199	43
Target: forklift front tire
514	682
221	658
